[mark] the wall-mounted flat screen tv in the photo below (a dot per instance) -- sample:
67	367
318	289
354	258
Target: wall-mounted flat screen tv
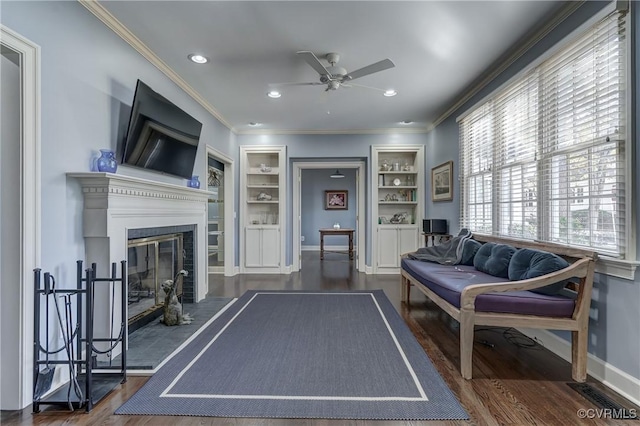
161	136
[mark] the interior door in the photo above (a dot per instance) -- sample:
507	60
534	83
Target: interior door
215	223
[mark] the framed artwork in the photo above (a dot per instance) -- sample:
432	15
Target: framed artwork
442	182
335	200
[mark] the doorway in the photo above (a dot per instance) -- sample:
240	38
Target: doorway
220	215
360	228
20	204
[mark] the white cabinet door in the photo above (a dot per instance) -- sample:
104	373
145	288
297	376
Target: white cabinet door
270	247
388	247
407	241
252	247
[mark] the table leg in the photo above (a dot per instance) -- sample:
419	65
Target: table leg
321	246
351	246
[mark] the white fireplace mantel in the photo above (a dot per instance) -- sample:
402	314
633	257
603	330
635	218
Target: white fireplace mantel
114	204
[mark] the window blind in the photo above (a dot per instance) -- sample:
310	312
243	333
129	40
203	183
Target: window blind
544	158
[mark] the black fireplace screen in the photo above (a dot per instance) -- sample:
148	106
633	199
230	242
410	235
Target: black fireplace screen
152	261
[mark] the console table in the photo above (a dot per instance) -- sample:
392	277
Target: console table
332	231
440	238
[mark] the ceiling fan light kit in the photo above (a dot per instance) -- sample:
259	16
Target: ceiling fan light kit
334	76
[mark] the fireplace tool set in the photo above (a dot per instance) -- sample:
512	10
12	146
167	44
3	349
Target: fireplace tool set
74	321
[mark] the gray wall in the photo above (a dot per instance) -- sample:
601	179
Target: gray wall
613	329
314	216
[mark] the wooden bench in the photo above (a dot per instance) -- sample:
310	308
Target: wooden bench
580	270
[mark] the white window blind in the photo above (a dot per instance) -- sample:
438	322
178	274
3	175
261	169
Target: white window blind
544	158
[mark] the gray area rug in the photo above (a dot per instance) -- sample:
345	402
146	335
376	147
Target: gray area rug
286	354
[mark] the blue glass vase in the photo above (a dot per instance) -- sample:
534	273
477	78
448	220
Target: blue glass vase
107	161
194	182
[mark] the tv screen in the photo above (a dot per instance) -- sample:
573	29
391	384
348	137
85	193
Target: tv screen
160	136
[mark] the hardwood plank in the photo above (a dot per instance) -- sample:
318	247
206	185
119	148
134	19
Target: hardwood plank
511	384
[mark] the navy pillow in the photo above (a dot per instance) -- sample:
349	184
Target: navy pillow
493	259
469	250
529	263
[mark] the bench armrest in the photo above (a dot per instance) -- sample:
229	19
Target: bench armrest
579	269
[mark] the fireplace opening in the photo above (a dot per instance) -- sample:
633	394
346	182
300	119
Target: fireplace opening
152	261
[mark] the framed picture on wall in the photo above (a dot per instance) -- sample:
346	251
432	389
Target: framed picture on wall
442	182
335	200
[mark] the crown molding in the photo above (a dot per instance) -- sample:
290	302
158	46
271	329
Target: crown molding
388	131
117	27
508	58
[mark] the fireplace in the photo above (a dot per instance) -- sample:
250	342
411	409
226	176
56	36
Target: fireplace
120	208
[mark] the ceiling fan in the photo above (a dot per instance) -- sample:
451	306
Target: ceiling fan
334	76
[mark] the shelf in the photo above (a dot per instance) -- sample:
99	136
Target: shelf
266	186
399	172
388	203
262	202
397	187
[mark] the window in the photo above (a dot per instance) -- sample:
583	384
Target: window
544	158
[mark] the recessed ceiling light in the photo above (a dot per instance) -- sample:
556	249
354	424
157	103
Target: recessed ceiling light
274	94
254	124
390	92
198	59
406	122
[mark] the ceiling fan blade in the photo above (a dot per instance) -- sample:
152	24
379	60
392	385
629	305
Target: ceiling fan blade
370	69
311	59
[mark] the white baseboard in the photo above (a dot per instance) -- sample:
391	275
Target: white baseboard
609	375
368	270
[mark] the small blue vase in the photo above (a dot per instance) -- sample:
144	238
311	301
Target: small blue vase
194	182
107	161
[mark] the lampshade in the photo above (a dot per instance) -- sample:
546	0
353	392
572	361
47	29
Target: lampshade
337	175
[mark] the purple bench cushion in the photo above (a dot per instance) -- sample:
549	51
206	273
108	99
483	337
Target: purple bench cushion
449	281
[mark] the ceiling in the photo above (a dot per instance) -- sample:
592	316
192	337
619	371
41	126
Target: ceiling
438	47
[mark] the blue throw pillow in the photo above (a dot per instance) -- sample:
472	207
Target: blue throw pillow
469	250
529	263
493	259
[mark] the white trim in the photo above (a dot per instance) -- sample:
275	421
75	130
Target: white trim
423	397
609	375
368	270
229	204
625	269
117	27
296	175
30	213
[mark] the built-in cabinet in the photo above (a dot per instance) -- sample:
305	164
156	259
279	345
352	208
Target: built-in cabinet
262	208
395	240
398	203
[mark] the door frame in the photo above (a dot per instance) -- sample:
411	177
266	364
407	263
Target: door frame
229	214
298	166
30	214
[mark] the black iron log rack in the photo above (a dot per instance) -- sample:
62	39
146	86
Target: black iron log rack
86	385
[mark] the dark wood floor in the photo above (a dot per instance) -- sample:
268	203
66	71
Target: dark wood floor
512	385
